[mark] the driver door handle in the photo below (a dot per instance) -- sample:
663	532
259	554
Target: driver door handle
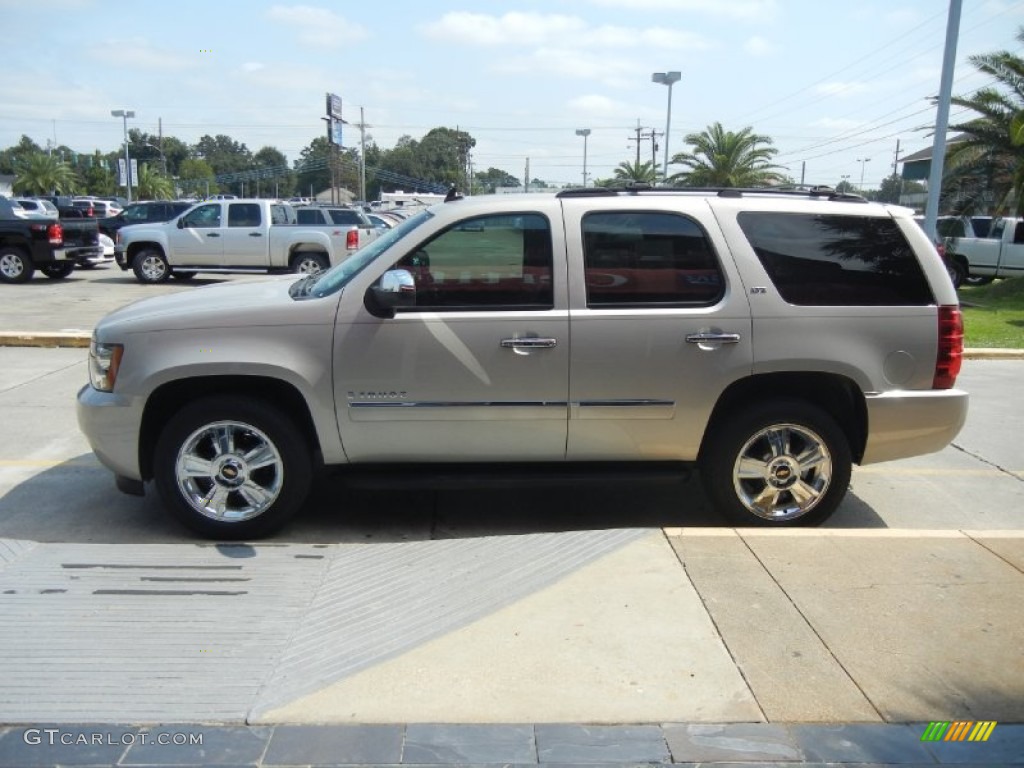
706	337
529	343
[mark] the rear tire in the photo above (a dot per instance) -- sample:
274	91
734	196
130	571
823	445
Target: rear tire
150	266
15	266
958	273
778	464
57	271
232	467
309	263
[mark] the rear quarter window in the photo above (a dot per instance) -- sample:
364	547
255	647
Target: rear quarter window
837	260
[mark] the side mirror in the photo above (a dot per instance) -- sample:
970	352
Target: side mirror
181	223
396	288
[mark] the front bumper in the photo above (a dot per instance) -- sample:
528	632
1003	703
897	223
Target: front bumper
905	424
112	425
120	257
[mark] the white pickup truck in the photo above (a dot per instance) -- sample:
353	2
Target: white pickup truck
980	260
233	236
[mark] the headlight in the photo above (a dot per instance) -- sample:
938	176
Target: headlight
104	360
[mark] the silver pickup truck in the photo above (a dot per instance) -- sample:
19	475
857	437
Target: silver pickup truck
980	260
773	339
233	236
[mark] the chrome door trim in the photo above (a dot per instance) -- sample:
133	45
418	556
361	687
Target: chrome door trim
529	342
705	337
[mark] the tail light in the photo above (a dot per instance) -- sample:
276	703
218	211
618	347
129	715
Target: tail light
55	234
352	240
951	347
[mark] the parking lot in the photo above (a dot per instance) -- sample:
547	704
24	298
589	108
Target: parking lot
586	600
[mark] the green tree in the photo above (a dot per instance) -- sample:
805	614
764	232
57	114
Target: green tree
721	158
273	174
223	154
43	174
493	178
96	174
153	185
20	152
195	177
991	154
627	172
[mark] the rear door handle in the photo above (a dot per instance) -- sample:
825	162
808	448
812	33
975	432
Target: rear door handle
712	338
212	234
529	343
255	234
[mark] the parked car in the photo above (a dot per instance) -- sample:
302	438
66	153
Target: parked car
380	222
980	260
30	241
773	340
234	236
98	209
143	213
36	206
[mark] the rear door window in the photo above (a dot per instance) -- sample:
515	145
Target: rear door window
837	260
244	215
648	259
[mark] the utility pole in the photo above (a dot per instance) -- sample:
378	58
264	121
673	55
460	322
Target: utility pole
526	186
931	212
895	174
638	139
362	155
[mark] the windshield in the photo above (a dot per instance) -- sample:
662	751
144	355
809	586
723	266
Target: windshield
338	277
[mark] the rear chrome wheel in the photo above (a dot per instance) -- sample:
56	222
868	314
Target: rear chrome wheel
15	266
784	462
307	263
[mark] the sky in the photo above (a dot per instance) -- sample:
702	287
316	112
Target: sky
834	84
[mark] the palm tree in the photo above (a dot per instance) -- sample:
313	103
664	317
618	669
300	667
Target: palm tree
42	174
627	173
721	158
992	147
154	185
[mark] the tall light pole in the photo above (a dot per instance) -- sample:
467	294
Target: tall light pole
669	79
863	163
125	114
584	132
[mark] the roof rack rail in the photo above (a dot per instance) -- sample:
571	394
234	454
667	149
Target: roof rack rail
733	192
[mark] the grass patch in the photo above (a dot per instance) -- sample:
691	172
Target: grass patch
994	314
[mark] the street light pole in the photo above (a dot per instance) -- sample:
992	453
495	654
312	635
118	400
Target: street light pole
584	132
669	79
125	114
863	163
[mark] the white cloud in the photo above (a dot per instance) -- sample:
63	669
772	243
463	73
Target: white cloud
605	68
841	89
839	125
537	29
253	66
318	27
596	106
758	46
139	53
741	10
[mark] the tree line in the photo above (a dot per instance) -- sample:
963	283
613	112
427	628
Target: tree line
985	167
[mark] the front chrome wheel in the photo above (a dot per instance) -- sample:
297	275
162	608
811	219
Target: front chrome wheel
782	472
229	471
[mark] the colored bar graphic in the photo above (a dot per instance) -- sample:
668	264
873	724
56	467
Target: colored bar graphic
958	730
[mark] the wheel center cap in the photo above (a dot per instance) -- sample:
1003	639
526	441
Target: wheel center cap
232	472
783	472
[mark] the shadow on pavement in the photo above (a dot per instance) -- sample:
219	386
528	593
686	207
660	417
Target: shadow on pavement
77	502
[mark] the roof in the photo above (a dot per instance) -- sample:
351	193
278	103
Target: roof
926	154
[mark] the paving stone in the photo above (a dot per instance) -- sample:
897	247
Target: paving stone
469	744
1004	747
78	745
861	743
322	745
695	742
221	746
601	744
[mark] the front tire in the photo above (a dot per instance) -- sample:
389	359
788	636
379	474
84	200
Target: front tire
15	266
782	463
232	467
150	266
57	271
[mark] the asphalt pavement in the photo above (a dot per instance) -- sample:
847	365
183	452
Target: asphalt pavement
597	621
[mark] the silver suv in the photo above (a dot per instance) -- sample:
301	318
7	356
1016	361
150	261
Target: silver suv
772	338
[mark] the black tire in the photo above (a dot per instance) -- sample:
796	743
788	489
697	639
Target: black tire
183	276
957	272
15	266
150	266
978	280
279	487
58	271
773	437
309	263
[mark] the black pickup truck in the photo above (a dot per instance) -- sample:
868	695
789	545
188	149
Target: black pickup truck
52	247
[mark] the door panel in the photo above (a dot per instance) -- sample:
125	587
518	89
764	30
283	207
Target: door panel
478	369
660	328
199	242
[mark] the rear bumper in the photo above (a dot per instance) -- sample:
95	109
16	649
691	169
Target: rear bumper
904	424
